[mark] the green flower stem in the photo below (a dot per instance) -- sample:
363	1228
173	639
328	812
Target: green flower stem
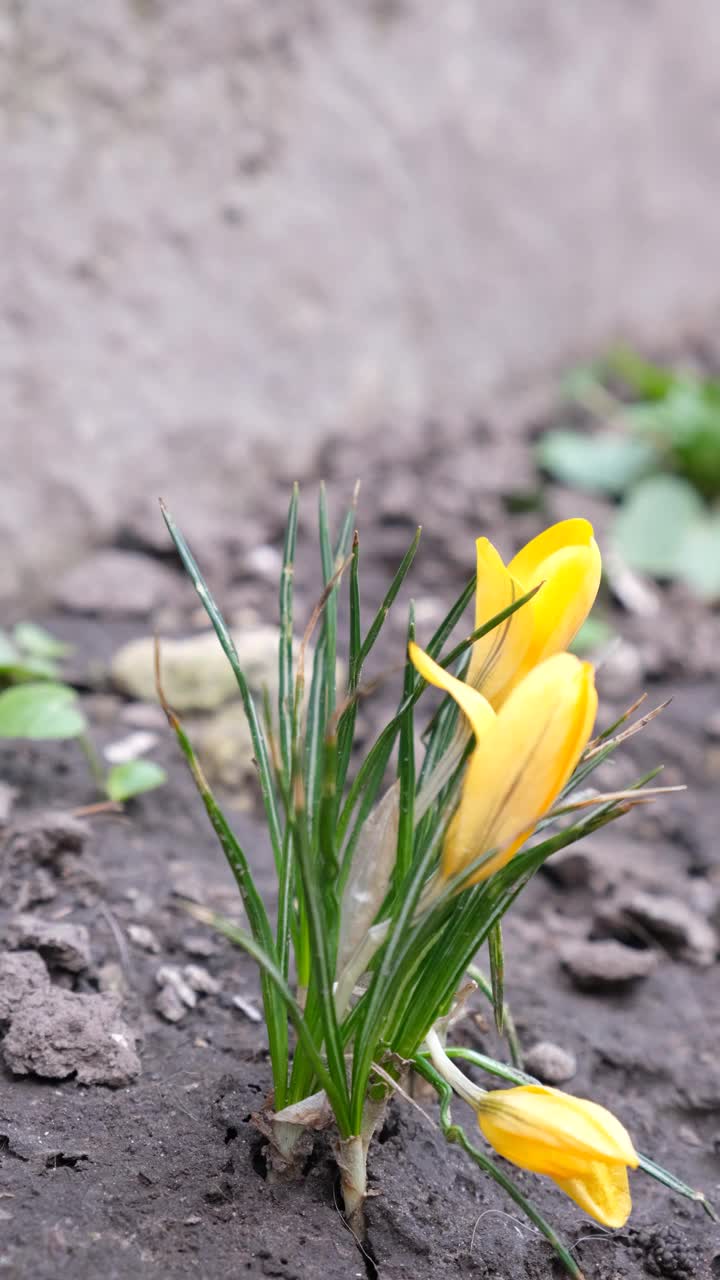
94	762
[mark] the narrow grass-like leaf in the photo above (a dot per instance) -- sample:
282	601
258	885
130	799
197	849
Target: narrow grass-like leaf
480	907
285	647
228	645
378	621
509	1028
346	727
385	975
669	1180
320	967
386	739
275	1016
454	1134
497	976
272	974
406	767
330	612
486	627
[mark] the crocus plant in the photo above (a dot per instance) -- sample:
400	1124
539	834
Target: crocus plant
392	872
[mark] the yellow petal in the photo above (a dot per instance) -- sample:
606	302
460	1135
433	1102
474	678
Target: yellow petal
547	1131
570	578
603	1192
496	657
526	565
473	704
521	763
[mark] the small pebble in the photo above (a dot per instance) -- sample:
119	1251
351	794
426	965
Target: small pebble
169	1005
144	937
200	980
200	945
606	966
245	1006
170	976
550	1063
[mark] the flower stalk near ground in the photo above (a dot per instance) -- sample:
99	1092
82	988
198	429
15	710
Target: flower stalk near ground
393	871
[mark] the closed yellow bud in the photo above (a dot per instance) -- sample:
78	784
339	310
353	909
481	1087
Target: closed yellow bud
524	755
565	558
580	1145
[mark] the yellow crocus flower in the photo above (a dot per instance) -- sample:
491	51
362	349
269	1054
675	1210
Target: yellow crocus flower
523	756
565	558
579	1144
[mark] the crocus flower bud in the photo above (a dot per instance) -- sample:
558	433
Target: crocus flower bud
565	558
579	1144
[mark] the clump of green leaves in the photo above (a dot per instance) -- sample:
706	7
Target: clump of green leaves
37	706
366	950
657	450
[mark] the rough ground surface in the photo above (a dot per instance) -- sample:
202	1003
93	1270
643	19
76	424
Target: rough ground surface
166	1178
235	226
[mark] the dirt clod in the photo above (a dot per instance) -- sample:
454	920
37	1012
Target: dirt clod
22	973
57	1033
62	945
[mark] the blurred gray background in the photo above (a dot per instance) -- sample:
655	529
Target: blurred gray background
233	228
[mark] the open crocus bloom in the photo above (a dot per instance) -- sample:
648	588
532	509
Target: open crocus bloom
577	1143
566	560
523	756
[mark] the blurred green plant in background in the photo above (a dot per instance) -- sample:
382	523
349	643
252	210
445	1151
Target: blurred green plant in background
36	706
657	450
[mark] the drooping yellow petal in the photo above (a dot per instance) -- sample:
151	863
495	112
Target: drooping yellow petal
582	1146
547	1131
603	1192
473	704
497	657
521	763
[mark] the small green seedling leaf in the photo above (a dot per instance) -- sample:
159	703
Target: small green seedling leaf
36	642
40	711
132	778
700	558
653	524
9	655
608	464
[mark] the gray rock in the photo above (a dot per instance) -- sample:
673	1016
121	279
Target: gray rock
143	937
169	1005
117	584
22	974
225	749
62	945
674	924
57	1033
606	965
196	675
168	975
198	944
201	981
550	1063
